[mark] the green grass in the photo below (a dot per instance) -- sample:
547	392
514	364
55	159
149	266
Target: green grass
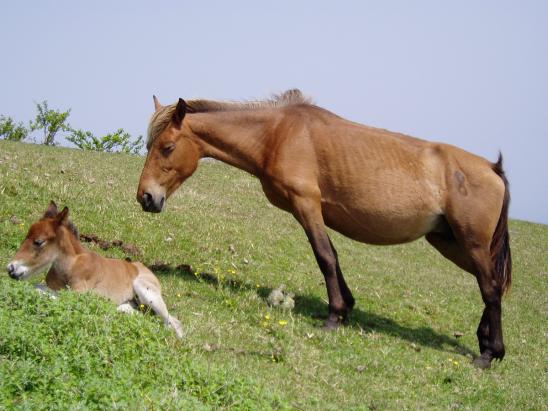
397	352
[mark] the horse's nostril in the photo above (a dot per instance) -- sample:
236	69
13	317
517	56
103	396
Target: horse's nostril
162	202
147	198
11	271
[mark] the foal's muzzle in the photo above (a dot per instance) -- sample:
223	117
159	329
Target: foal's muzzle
13	271
151	204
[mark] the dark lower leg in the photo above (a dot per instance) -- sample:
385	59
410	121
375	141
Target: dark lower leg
490	338
338	307
490	328
307	210
327	261
484	360
483	332
345	291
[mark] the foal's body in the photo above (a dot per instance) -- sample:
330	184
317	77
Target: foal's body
369	184
53	240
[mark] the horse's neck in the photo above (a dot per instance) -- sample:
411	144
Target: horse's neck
69	248
237	138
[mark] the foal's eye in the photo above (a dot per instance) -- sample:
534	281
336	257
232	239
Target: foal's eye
39	242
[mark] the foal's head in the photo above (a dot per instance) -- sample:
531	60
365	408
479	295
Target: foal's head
41	245
172	156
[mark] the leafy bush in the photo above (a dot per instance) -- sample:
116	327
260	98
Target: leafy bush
11	131
50	121
119	141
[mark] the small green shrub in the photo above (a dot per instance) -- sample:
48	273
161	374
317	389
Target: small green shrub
9	130
50	121
119	141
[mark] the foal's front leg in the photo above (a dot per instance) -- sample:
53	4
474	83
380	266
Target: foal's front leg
308	212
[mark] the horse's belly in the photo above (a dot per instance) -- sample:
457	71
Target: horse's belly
391	224
384	205
379	229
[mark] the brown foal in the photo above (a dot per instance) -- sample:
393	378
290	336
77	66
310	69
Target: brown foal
53	240
372	185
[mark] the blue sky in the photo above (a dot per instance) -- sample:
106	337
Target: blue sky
470	73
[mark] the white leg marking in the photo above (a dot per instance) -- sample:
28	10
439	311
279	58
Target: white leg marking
127	308
46	291
150	295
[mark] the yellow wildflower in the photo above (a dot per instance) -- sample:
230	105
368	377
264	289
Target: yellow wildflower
282	322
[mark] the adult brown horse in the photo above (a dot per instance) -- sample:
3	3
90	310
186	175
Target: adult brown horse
369	184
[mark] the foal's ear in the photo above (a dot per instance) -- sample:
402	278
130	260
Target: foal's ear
157	105
63	217
51	210
179	113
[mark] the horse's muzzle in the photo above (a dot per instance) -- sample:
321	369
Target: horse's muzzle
12	271
151	204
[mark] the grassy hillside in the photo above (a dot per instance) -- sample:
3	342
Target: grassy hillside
397	352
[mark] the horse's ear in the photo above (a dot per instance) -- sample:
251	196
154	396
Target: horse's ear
51	210
157	105
63	217
179	113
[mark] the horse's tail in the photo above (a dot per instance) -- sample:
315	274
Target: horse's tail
500	243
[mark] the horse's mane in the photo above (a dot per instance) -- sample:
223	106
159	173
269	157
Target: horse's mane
73	229
161	118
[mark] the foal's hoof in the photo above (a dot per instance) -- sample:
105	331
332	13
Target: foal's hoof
482	362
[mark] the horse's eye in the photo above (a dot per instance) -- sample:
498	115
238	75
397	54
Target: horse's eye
167	150
39	242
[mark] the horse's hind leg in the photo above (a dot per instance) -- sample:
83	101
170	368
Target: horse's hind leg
467	242
149	293
490	328
472	254
128	308
448	246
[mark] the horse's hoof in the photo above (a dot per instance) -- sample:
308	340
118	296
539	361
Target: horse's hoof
332	324
482	362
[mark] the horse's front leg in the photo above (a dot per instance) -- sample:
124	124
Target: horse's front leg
345	291
307	210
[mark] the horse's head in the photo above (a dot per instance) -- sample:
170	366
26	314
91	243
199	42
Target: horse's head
41	245
172	156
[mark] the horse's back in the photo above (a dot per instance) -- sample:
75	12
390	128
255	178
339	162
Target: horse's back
377	186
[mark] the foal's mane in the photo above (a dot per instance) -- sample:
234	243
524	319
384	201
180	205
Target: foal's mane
73	230
161	118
